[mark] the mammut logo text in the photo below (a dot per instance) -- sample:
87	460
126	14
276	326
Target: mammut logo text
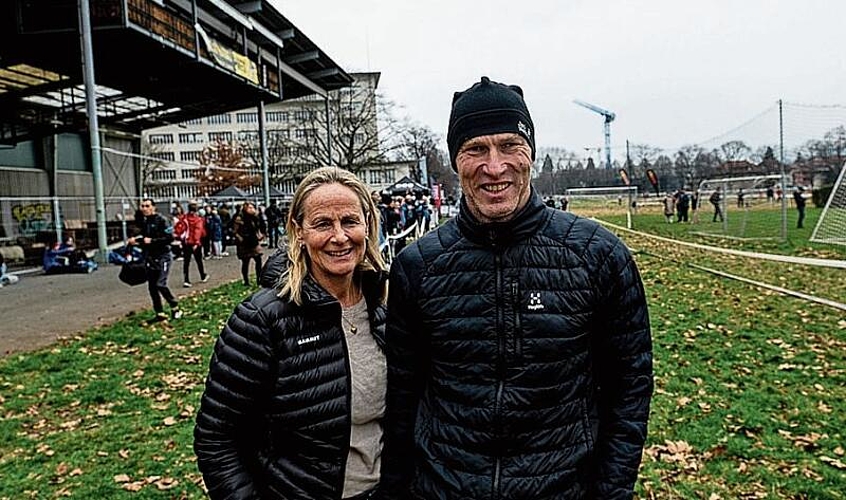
308	340
535	301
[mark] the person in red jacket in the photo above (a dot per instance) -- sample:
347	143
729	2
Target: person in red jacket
191	230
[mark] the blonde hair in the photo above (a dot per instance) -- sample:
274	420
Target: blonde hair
298	257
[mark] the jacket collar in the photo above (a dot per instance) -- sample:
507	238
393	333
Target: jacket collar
521	226
372	283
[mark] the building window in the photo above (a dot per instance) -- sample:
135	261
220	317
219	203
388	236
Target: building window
302	115
191	138
248	135
219	119
161	139
163	175
163	155
195	121
278	135
220	136
191	173
276	116
189	155
246	117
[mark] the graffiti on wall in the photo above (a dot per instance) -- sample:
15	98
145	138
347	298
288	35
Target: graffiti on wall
31	218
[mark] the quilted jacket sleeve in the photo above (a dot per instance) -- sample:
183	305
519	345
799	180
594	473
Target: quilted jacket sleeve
622	356
406	352
227	431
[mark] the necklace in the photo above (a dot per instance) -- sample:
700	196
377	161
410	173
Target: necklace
353	328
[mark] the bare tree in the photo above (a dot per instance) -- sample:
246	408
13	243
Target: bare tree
735	151
224	165
154	158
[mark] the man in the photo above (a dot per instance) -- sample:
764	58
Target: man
800	205
682	205
716	199
518	342
274	218
192	230
156	235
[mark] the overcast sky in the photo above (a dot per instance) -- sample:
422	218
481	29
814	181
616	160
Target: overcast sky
675	72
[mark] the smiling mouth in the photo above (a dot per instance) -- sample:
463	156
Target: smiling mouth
340	253
496	188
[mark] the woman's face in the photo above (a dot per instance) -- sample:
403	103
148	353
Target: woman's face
334	232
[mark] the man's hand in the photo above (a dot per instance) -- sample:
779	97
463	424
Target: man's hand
131	241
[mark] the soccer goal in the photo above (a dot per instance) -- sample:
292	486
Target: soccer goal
612	203
745	208
831	226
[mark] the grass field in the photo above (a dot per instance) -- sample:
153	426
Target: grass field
750	395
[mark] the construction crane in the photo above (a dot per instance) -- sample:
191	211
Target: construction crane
609	117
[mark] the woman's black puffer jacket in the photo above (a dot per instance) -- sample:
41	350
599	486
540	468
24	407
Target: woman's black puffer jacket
519	362
274	420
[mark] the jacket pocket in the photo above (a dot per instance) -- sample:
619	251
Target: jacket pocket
517	311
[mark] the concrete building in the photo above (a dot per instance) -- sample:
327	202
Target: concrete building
179	159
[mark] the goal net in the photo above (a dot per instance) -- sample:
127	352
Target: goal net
747	208
831	226
612	203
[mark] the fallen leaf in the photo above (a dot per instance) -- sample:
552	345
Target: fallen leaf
833	462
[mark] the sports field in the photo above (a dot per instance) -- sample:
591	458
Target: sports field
750	395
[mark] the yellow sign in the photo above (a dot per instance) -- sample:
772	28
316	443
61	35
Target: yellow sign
237	63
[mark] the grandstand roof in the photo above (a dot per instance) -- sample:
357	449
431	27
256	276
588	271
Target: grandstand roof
154	65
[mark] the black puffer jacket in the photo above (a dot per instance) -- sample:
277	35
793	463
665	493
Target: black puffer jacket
274	420
160	232
519	362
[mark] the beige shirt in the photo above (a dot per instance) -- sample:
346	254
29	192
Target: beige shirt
369	375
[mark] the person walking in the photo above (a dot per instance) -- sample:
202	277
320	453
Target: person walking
154	238
191	230
214	226
249	232
518	339
295	395
274	219
799	200
682	206
716	200
669	207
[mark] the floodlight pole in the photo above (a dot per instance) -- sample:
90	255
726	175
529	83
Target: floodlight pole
93	126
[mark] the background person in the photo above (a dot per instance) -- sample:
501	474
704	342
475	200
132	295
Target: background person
518	340
716	200
249	231
295	394
155	237
274	219
799	199
192	230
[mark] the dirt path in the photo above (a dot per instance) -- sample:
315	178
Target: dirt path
40	308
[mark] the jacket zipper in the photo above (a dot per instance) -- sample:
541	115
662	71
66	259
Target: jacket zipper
501	367
346	455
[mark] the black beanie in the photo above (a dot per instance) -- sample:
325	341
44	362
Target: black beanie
488	108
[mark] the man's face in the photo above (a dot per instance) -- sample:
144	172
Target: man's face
495	172
147	208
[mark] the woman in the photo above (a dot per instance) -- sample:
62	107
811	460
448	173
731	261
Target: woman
296	388
249	231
